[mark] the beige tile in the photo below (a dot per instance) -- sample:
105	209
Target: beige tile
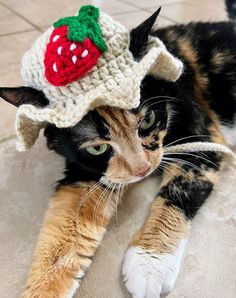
133	19
163	22
10	73
44	13
7	119
152	3
212	10
113	7
25	188
11	23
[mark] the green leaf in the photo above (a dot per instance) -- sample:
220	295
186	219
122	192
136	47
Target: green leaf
85	24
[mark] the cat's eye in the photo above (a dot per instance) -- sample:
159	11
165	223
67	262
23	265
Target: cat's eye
97	150
148	121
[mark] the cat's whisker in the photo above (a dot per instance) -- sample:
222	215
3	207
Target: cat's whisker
107	203
117	200
193	166
84	198
156	103
194	155
171	164
184	138
87	195
165	168
160	96
101	197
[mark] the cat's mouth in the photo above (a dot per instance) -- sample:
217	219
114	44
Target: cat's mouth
130	180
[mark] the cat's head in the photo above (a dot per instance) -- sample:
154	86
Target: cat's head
111	144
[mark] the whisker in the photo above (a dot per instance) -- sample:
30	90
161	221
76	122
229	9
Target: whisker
184	138
84	198
187	163
194	155
160	96
87	194
108	200
156	103
96	207
171	164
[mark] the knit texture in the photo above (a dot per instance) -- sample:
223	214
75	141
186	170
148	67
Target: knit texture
113	79
66	61
84	25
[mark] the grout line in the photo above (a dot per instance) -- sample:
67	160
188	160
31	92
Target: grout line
19	15
124	12
169	19
148	10
135	6
152	7
43	28
10	138
17	32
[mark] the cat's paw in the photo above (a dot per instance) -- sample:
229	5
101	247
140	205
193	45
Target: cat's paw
148	274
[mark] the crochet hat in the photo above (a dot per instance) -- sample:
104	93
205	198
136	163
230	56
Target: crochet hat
83	62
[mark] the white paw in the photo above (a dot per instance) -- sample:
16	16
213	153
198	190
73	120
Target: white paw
147	274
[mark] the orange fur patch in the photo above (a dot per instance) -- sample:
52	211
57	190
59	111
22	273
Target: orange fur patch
164	229
68	240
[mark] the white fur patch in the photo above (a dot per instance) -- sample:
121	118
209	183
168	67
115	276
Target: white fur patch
75	285
229	133
148	274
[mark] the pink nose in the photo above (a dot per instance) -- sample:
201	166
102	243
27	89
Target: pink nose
143	171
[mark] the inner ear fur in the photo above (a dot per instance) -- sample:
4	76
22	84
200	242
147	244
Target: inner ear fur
23	95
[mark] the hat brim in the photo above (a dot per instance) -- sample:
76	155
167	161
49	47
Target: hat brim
126	95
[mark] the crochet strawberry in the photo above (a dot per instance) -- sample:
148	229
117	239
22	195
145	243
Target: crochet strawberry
74	47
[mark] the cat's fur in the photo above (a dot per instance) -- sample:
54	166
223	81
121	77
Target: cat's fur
192	109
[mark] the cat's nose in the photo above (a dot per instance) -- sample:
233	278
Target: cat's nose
141	172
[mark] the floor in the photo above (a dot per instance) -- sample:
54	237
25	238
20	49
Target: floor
22	200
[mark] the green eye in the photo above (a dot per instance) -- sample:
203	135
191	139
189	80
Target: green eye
148	121
97	150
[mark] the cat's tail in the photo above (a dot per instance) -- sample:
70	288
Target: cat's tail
231	9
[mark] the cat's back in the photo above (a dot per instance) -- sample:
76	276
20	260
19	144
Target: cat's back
208	51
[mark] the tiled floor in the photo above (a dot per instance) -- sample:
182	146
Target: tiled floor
26	183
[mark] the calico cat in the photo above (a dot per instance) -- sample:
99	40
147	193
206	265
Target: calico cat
111	148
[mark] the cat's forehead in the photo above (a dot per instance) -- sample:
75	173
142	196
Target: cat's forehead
105	122
120	121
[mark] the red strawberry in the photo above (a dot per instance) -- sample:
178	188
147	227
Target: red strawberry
74	47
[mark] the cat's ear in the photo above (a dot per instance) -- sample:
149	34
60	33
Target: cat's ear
139	35
23	95
166	66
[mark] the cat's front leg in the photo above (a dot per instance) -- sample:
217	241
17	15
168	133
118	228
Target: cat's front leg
73	228
153	260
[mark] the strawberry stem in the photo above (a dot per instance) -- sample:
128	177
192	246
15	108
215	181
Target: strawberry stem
84	25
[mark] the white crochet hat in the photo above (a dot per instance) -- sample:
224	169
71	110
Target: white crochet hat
84	62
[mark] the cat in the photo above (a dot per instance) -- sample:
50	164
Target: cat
112	148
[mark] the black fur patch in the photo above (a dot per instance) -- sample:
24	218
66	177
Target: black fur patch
186	195
206	39
80	166
24	95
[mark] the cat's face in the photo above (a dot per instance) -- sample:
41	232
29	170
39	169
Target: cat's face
115	145
132	143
